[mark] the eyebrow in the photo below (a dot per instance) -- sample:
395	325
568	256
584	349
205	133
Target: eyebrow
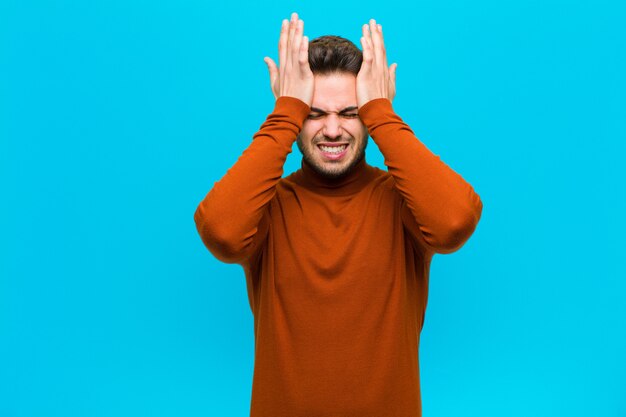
347	109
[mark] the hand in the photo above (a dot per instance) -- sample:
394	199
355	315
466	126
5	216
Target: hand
294	77
374	79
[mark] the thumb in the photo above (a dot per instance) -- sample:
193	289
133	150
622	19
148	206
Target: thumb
271	66
392	72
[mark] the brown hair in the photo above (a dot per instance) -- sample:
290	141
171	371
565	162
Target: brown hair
329	54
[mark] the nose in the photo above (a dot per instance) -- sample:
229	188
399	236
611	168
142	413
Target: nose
332	126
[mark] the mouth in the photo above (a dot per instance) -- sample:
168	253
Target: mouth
333	151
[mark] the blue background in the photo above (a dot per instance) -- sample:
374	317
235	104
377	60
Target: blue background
117	117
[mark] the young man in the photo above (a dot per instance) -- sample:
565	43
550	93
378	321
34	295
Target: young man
337	254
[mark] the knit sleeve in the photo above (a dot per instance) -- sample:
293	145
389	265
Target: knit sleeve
440	209
230	217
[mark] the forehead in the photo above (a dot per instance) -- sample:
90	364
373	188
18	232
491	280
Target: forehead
334	92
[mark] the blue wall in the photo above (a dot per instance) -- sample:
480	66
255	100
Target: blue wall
117	117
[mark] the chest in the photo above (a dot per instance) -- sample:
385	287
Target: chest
337	235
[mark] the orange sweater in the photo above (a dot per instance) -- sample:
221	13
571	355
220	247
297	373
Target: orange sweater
337	272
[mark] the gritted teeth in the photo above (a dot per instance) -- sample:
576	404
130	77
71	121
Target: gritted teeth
333	148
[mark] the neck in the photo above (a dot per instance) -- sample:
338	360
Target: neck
349	182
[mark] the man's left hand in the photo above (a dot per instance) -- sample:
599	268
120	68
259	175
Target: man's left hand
375	79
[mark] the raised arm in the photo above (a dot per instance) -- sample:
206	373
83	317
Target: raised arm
230	217
440	209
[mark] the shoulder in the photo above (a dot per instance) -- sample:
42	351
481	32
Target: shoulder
382	179
287	187
289	182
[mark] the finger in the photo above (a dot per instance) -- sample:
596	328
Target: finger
292	30
392	76
297	41
367	46
392	83
271	66
367	54
377	51
304	54
367	35
282	43
382	44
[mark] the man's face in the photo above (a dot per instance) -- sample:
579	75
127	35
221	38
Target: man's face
333	121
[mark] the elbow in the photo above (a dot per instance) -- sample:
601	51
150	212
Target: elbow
460	229
217	236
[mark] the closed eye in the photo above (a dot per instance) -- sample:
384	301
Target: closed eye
347	115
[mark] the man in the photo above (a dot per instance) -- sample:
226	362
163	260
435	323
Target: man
337	254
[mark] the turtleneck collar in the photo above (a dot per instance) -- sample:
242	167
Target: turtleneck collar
350	183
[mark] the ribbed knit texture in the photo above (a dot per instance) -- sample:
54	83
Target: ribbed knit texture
337	271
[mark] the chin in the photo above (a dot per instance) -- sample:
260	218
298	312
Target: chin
335	170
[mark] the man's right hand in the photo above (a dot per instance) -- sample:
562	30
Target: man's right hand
294	77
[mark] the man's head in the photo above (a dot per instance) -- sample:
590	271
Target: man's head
334	119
